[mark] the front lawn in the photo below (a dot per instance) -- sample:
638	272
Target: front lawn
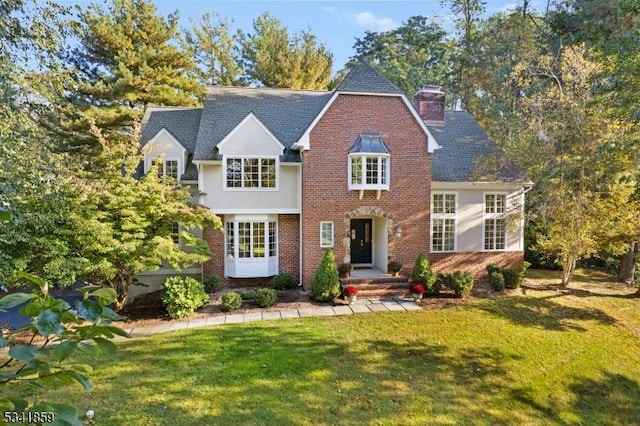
543	358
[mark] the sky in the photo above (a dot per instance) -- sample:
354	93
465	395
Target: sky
337	24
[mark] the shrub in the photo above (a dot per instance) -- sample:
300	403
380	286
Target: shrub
394	267
325	284
422	274
496	279
492	267
284	281
231	301
511	278
181	296
417	289
266	297
344	269
248	294
212	284
460	282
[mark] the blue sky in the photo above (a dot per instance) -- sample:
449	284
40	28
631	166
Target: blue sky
336	23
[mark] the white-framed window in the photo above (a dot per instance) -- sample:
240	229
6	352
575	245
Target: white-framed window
326	234
175	232
369	171
167	167
251	173
495	221
251	246
443	221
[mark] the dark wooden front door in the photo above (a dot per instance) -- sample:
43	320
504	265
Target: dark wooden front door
361	241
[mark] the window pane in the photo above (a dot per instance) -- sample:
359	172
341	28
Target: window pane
438	203
383	171
273	249
230	240
450	203
436	235
244	239
501	202
356	170
160	169
171	168
489	203
501	228
258	239
326	234
251	172
268	173
234	173
489	233
175	232
449	235
371	170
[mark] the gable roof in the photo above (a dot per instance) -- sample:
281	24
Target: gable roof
362	78
286	113
464	147
182	123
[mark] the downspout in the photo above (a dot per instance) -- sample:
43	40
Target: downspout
300	221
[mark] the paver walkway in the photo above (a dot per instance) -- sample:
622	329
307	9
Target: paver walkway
360	306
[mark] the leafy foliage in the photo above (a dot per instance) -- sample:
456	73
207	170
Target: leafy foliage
496	279
181	296
325	284
231	301
284	281
212	284
57	331
460	282
422	274
266	297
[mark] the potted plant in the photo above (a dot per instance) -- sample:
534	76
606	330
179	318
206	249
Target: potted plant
351	293
394	268
344	269
417	291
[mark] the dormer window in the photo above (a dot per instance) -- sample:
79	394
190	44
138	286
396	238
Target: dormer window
167	167
369	165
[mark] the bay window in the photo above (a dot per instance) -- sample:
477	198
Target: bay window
251	246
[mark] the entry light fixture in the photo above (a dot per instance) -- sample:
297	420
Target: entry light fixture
397	231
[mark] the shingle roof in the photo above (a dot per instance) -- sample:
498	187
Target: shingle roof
182	123
364	79
368	142
286	113
467	153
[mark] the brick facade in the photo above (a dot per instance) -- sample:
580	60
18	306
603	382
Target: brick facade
326	196
289	244
474	262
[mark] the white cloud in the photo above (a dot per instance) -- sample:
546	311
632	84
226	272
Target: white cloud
371	22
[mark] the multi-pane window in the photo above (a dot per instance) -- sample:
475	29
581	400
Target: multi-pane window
251	239
326	234
175	232
167	168
495	222
369	172
443	221
251	172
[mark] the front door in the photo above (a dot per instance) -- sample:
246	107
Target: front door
361	241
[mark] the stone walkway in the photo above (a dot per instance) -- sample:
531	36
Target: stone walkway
360	306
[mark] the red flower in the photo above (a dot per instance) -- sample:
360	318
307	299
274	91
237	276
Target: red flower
351	290
417	288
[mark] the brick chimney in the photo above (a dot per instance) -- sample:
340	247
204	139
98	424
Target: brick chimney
429	102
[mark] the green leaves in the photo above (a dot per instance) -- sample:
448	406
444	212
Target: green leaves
48	322
23	353
15	299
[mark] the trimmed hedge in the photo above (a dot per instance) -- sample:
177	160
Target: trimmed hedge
284	281
212	284
325	284
460	282
266	297
231	301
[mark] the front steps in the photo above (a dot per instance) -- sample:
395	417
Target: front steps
379	286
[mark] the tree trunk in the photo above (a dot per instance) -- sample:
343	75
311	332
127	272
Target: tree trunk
567	270
627	271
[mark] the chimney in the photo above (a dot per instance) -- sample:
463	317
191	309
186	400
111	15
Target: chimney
429	102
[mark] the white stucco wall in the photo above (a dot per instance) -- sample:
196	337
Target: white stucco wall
470	215
163	143
250	137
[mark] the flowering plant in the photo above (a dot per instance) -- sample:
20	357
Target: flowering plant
417	288
351	290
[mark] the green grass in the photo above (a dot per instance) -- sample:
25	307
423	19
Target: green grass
544	358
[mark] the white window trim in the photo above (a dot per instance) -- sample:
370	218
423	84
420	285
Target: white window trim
453	216
252	189
331	245
494	216
363	186
150	161
246	267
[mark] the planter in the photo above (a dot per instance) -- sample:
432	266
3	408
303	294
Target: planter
352	299
416	296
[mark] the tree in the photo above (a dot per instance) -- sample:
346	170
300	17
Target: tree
217	50
276	59
410	56
137	214
325	283
128	57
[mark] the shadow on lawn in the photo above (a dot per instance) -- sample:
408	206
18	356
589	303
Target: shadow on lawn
611	400
543	312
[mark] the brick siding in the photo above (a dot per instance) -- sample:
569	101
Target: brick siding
474	262
326	196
